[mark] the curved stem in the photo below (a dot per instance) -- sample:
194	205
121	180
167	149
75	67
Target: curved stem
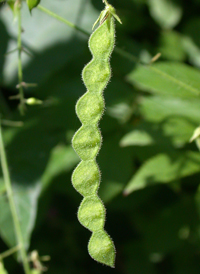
61	19
119	51
9	252
13	209
105	2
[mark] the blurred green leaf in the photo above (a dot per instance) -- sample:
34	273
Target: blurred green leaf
164	168
165	12
192	50
167	78
159	108
178	129
136	137
26	204
191	40
62	159
171	46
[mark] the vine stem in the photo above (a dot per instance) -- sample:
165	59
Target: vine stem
9	252
105	1
118	50
61	19
20	71
13	209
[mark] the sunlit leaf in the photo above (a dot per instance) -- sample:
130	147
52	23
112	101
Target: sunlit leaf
136	137
167	78
164	168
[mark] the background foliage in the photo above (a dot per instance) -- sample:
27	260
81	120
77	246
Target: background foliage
150	171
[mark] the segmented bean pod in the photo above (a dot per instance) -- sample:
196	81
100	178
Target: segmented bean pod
87	140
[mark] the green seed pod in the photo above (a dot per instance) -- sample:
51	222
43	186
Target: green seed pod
87	140
33	101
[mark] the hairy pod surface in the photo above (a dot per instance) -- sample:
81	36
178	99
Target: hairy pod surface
87	142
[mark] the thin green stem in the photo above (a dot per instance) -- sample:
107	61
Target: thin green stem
11	51
12	123
13	209
119	51
61	19
20	71
127	55
9	252
106	3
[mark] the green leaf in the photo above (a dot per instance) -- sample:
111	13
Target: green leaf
165	12
175	130
26	204
159	108
164	168
178	129
62	159
191	41
167	78
192	50
32	4
171	46
137	137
